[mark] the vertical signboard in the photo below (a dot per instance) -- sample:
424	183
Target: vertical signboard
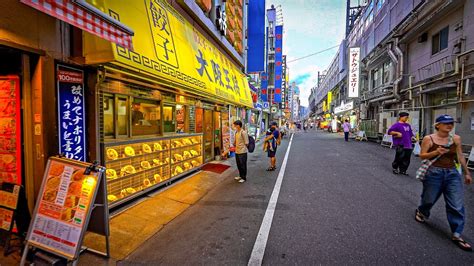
278	63
256	36
71	112
354	70
10	130
263	87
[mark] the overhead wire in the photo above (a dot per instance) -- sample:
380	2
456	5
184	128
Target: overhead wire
313	54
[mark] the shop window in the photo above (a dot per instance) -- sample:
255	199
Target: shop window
109	115
168	119
122	116
439	41
145	117
199	118
181	121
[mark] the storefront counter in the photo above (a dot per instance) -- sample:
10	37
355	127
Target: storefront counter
137	166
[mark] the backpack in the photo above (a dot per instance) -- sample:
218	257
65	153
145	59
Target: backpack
251	146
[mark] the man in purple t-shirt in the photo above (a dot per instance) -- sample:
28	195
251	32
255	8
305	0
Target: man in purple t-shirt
402	140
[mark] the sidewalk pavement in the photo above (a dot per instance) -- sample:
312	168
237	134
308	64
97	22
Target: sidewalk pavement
132	227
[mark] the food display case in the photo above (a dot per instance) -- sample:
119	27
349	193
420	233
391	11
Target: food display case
137	166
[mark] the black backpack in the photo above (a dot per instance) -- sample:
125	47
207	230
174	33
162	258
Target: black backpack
251	146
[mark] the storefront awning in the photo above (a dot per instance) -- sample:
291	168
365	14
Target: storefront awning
167	47
83	15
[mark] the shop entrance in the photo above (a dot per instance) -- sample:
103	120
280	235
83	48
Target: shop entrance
208	134
217	134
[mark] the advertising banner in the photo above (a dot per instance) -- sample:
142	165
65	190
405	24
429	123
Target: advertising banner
256	36
264	87
71	112
10	130
278	63
63	207
354	70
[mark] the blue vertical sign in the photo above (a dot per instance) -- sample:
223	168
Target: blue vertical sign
278	63
256	36
264	86
71	112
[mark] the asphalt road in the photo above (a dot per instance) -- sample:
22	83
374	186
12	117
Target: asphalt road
339	204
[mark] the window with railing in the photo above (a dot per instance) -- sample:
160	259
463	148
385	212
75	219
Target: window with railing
439	41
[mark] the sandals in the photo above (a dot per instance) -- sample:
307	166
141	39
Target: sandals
462	244
419	217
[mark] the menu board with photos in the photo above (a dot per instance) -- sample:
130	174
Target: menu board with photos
8	203
65	200
10	130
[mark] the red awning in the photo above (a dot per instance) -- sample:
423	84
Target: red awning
82	15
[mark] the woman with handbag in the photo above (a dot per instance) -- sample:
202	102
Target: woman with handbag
442	177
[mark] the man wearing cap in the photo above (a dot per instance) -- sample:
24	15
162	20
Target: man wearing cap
402	140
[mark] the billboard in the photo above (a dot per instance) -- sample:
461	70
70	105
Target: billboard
354	70
263	87
256	36
278	63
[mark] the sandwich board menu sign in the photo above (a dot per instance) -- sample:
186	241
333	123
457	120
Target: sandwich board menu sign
64	206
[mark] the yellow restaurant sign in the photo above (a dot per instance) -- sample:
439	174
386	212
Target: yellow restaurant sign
167	46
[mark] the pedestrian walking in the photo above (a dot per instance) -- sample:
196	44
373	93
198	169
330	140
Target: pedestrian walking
241	141
402	140
272	140
347	128
442	177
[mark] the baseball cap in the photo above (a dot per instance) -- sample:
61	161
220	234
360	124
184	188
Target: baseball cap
444	119
402	114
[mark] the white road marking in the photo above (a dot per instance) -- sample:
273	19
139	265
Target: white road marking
258	251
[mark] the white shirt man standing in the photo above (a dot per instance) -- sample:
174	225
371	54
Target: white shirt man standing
241	141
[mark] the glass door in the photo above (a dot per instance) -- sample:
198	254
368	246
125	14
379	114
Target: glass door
217	133
208	135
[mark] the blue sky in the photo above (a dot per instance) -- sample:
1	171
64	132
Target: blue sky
310	26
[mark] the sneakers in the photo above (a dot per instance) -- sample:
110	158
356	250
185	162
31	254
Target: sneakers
404	173
237	178
395	171
242	181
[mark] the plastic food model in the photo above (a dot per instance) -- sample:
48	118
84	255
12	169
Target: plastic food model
187	166
195	141
194	163
129	151
177	144
167	160
128	169
172	161
157	178
145	165
146	182
112	197
157	162
187	142
146	148
194	153
112	154
178	170
157	147
187	155
178	157
111	173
